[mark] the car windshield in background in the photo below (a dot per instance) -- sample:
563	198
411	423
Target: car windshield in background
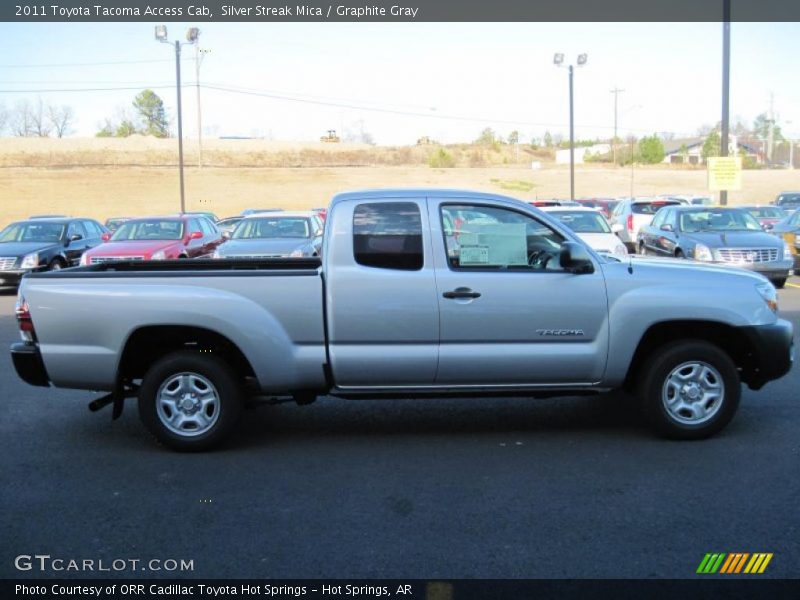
151	229
650	208
272	227
792	200
32	232
766	212
718	220
583	221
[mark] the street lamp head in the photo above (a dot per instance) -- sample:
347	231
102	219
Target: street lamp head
581	59
161	33
558	59
191	34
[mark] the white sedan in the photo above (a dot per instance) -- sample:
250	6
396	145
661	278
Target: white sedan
591	226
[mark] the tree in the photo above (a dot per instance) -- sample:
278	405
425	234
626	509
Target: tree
151	111
761	128
513	138
3	118
61	119
487	137
651	149
22	119
711	146
548	140
40	125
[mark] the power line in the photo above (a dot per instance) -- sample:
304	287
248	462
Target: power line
83	64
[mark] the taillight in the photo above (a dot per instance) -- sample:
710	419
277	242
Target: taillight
26	330
630	222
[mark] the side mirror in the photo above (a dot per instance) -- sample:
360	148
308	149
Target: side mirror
768	226
105	237
616	227
575	258
667	227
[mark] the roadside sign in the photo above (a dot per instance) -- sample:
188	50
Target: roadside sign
724	173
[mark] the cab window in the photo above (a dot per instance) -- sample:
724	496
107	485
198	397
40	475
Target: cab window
483	237
388	235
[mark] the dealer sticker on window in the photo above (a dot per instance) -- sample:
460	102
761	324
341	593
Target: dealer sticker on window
474	255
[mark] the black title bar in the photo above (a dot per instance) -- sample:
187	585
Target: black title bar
398	10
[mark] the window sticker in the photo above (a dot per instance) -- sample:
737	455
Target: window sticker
474	255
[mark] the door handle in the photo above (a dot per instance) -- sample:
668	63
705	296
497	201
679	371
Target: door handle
461	292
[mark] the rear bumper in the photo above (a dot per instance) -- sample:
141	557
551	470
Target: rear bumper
772	352
28	363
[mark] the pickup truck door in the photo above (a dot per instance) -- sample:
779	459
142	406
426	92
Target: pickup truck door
509	317
381	307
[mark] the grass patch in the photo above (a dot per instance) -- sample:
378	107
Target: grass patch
516	185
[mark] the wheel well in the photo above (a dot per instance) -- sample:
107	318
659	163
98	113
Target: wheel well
148	344
728	338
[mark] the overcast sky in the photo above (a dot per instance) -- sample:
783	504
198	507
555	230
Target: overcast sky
454	79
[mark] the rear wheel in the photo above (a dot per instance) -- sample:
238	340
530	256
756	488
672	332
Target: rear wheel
189	401
779	283
689	390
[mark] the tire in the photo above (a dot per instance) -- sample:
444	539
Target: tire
212	393
779	283
55	265
689	390
679	254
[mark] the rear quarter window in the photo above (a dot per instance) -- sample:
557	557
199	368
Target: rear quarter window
388	235
650	208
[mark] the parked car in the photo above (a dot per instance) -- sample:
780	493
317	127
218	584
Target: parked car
605	205
157	238
251	211
201	213
285	234
591	226
321	212
631	214
788	201
49	217
729	236
520	306
48	243
789	229
228	224
767	216
113	223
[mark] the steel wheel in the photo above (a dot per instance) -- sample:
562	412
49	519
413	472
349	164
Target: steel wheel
188	404
693	392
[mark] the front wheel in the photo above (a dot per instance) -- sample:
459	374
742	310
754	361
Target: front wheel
189	401
689	390
779	283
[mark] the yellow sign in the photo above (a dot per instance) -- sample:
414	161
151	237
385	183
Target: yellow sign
724	173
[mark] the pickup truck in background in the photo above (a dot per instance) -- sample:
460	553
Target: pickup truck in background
420	293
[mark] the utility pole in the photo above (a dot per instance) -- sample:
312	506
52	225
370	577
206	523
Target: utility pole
198	60
771	131
726	85
616	91
571	140
180	121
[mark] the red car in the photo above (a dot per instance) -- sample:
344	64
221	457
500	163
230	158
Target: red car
322	212
157	238
767	216
604	205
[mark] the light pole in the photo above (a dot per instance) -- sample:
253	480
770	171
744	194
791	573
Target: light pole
199	53
558	60
191	38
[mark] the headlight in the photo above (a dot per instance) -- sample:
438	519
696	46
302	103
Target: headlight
160	255
767	292
621	250
84	259
297	254
787	250
702	252
30	261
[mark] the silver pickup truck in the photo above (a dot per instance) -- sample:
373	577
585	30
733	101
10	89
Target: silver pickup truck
419	293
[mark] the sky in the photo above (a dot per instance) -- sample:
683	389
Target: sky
401	81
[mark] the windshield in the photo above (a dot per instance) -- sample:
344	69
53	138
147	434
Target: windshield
649	208
151	229
272	227
718	220
766	212
583	221
32	232
789	200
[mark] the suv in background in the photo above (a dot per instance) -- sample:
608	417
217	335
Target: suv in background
788	201
631	214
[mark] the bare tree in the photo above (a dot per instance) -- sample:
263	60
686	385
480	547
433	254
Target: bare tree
21	119
41	124
60	119
3	118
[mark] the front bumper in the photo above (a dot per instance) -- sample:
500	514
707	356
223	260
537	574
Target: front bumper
775	269
772	352
11	278
28	363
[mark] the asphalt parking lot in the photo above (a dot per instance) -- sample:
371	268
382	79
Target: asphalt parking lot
488	488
